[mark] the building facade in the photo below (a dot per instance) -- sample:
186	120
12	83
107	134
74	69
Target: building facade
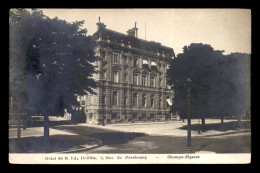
131	76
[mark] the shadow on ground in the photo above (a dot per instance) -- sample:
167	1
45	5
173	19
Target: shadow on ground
87	139
234	125
57	143
106	137
40	123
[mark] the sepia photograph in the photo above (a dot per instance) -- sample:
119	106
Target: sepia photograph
129	86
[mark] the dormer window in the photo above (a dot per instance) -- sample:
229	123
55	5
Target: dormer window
99	38
129	45
108	40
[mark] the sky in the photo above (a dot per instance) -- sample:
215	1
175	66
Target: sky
223	29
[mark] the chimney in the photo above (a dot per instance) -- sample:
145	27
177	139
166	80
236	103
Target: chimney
133	32
100	25
136	30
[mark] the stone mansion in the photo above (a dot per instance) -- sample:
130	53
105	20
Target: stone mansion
131	79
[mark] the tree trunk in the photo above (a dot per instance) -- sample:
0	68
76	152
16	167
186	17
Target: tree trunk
222	120
222	124
46	132
203	128
24	122
19	126
238	121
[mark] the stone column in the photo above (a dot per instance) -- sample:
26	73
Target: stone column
109	65
107	101
157	96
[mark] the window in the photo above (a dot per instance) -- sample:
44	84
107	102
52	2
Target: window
135	99
124	60
104	75
103	99
144	100
161	103
115	97
125	100
102	54
160	82
115	76
169	103
135	62
114	116
152	101
145	63
125	77
144	81
152	81
135	79
83	102
115	57
134	116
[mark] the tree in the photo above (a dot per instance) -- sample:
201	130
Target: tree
19	37
197	62
58	65
220	83
232	94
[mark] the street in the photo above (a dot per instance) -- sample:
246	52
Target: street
145	137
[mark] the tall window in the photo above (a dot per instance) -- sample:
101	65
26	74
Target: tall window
103	99
115	57
115	97
135	99
104	75
124	59
152	101
125	77
161	103
102	54
144	100
160	82
152	81
125	100
135	79
144	80
135	62
115	76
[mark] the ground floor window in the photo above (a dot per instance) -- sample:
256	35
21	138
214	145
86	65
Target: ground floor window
135	99
114	116
115	98
134	116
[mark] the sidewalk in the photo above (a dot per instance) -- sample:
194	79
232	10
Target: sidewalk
170	128
37	131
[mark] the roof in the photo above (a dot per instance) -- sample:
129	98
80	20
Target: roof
120	38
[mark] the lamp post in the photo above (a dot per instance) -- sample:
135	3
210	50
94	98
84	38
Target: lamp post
103	107
188	149
103	123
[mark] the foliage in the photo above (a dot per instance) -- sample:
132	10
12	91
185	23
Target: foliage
56	59
220	83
